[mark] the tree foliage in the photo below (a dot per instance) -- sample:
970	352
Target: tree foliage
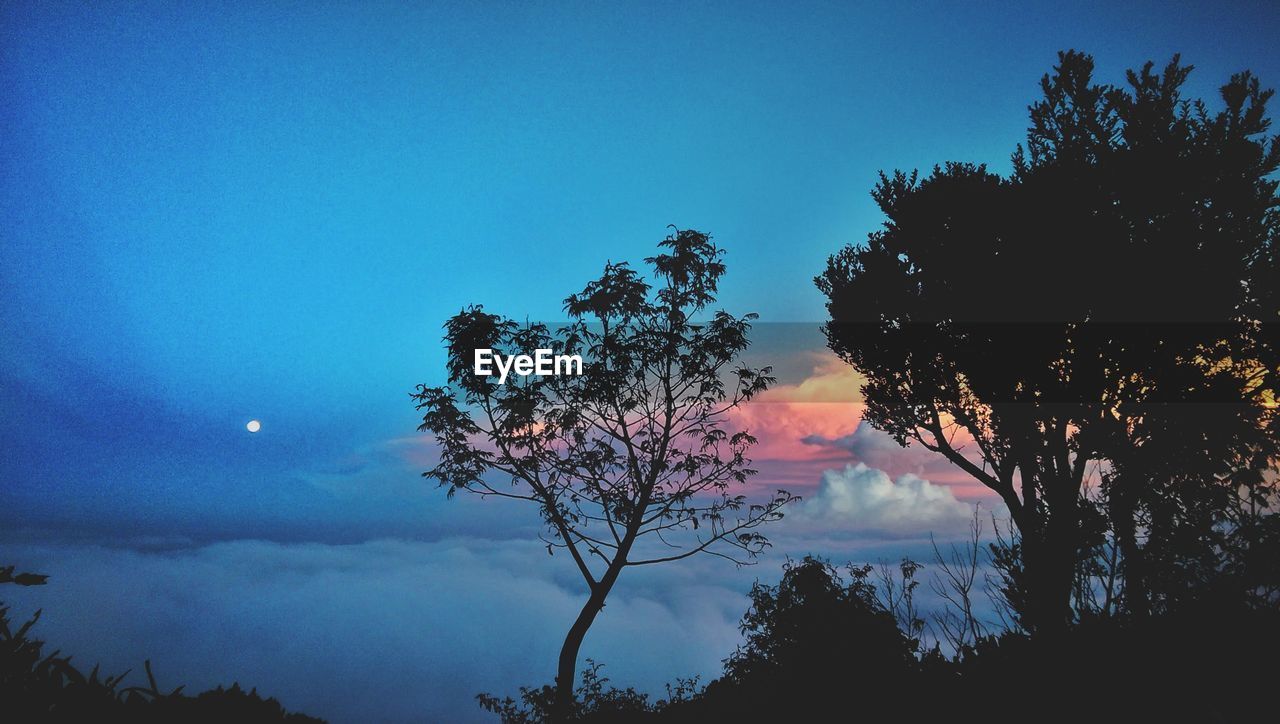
1092	337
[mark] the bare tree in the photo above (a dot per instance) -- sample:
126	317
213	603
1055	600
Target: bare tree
1002	583
631	462
957	573
897	593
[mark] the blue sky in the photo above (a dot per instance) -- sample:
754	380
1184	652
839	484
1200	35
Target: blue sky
217	212
266	210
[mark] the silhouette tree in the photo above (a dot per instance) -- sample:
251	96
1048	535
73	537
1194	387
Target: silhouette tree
1111	306
630	463
813	640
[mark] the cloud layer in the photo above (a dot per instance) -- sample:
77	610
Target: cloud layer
386	630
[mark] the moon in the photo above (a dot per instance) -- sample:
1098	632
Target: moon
253	426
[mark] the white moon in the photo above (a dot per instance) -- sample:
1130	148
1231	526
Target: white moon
253	426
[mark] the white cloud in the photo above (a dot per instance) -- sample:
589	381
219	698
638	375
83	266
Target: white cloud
864	499
878	449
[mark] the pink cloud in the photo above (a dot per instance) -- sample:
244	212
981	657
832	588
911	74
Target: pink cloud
807	428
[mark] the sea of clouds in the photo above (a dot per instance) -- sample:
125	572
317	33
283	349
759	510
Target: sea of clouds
404	630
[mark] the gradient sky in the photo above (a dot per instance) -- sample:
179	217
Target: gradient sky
217	212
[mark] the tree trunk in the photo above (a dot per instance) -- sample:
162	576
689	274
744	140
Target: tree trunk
1049	560
569	654
573	641
568	663
1136	602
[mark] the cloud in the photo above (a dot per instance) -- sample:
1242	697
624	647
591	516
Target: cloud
386	630
829	381
399	630
825	403
865	442
866	500
878	449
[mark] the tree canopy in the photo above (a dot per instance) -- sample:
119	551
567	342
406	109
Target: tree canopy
633	462
1092	337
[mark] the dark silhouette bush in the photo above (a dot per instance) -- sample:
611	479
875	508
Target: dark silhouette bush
592	701
821	646
35	687
812	635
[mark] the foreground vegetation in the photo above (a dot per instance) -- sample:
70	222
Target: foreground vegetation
40	687
823	644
